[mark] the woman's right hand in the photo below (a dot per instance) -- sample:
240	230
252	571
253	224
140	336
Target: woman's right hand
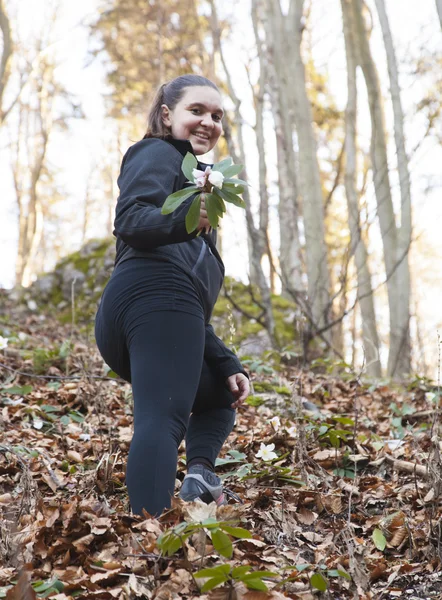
203	224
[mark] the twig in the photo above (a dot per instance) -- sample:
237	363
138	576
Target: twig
407	467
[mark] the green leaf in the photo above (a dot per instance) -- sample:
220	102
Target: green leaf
112	374
76	416
236	454
212	583
211	207
319	582
219	203
193	215
237	532
238	572
235	189
54	385
189	163
222	543
258	575
22	391
344	421
344	574
233	170
379	539
222	165
235	181
48	408
256	584
219	571
173	545
173	201
302	567
233	198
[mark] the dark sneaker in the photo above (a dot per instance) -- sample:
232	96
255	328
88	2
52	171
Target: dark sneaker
202	484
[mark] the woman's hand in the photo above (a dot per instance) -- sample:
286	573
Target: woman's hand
204	220
239	385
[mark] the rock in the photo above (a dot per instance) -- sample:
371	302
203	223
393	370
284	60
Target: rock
255	345
44	285
71	274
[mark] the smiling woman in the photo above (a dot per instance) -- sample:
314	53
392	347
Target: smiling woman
187	108
153	323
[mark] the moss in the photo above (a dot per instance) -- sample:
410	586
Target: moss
263	386
283	390
255	401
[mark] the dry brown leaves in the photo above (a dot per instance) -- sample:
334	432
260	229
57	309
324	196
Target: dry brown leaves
64	507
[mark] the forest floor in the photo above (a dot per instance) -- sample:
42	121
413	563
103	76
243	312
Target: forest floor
350	507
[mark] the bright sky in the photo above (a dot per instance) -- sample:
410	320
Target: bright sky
74	152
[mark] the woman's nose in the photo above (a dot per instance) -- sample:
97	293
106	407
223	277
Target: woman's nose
207	120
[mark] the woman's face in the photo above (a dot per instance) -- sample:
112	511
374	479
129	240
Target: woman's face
197	118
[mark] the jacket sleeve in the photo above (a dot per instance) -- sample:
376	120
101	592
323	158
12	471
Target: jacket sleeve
148	175
219	357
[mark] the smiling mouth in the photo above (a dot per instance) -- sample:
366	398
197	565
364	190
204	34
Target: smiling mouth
201	136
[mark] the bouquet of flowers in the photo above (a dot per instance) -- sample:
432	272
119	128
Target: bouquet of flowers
218	184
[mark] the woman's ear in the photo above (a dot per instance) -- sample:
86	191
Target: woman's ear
165	115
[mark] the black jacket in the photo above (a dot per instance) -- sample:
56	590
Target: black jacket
150	171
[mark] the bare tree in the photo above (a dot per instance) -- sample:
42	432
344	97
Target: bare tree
398	363
292	73
401	363
290	255
5	59
256	235
358	248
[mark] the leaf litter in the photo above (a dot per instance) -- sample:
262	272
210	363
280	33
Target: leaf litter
349	507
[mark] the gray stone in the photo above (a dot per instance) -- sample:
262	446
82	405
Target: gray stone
69	275
255	345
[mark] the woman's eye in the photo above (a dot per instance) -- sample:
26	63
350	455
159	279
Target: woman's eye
216	118
195	111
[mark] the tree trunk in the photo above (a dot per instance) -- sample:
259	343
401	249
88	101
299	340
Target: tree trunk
309	177
381	179
439	10
259	98
256	240
290	254
358	248
5	56
401	363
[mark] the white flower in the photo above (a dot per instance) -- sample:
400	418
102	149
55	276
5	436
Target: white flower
85	437
22	336
292	431
200	177
266	452
216	178
32	305
3	342
37	423
430	396
275	423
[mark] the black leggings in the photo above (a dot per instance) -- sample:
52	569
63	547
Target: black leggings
176	394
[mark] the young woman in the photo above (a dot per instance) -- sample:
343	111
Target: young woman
153	323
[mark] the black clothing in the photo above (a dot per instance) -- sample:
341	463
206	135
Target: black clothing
151	171
175	393
152	326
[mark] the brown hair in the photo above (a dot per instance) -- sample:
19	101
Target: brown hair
170	94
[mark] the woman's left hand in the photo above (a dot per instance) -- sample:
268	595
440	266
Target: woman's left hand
239	385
